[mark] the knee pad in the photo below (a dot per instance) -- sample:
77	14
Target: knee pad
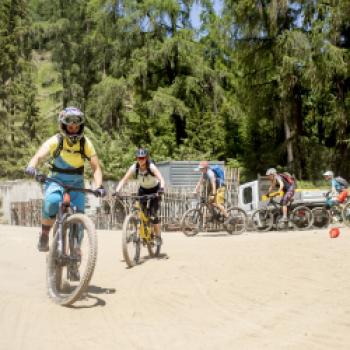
155	220
50	205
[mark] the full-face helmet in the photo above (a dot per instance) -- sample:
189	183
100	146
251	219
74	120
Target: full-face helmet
71	115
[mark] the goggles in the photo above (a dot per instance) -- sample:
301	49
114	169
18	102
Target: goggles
72	119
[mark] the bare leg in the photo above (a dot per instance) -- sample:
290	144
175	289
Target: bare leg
156	229
284	211
222	209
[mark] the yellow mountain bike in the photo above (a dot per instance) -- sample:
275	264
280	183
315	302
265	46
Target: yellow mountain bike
138	232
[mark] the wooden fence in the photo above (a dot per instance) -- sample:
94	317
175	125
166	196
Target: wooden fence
26	213
110	215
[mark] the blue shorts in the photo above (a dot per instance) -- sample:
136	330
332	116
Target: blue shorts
54	195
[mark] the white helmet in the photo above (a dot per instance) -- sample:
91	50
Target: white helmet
328	173
71	115
271	171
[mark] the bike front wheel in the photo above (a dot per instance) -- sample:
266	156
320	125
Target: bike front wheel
262	220
191	222
236	222
131	242
69	272
302	218
321	217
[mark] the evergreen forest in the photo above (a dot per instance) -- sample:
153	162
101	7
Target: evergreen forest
258	84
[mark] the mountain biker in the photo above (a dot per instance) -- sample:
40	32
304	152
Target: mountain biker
217	193
150	181
286	185
338	191
68	151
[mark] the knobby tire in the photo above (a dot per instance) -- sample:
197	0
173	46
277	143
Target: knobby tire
54	272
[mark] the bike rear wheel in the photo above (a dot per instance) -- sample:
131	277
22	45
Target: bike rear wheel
191	222
262	220
321	217
82	258
302	218
237	221
131	242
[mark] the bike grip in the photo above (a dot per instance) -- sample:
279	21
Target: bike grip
40	177
31	171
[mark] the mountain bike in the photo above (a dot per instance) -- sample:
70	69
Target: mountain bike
300	217
197	219
337	213
71	259
138	231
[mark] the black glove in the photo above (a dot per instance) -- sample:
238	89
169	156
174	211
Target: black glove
101	192
161	191
29	170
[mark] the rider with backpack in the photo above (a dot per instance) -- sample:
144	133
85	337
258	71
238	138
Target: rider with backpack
339	191
214	176
150	181
287	185
68	151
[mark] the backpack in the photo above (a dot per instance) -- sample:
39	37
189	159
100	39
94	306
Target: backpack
342	182
219	175
288	179
58	150
148	165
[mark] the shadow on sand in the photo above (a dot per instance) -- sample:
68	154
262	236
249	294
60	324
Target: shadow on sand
90	299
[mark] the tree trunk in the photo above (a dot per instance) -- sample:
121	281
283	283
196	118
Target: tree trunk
287	133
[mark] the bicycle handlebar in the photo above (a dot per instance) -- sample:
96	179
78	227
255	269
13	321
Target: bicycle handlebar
43	178
145	196
271	195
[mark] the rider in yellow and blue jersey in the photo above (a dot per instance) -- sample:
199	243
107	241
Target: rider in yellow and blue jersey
68	151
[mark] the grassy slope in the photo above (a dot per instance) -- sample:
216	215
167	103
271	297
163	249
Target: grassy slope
49	88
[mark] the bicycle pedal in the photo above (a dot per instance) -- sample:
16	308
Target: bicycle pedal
74	275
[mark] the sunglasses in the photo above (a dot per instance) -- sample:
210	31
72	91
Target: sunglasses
141	158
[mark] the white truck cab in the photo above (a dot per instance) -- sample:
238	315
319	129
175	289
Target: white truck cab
250	195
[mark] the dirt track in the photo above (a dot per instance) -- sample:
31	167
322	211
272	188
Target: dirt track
255	291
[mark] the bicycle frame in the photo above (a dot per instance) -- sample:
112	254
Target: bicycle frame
145	223
145	227
277	207
214	211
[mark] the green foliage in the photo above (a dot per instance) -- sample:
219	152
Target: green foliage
262	84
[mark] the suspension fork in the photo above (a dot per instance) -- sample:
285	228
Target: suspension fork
61	218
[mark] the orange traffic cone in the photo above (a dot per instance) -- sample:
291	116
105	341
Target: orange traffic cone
334	232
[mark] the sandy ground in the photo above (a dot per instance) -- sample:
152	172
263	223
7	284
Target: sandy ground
254	291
